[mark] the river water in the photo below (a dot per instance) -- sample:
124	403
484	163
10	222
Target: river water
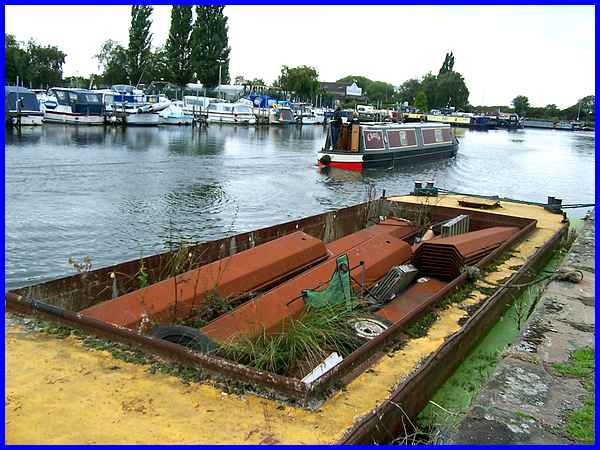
115	194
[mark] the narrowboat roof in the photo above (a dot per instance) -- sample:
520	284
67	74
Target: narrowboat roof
391	126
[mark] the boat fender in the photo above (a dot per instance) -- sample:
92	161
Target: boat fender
325	159
185	336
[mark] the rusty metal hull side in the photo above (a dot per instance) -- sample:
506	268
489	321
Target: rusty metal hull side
390	418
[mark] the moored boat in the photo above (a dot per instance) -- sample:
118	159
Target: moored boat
73	106
363	146
131	106
281	115
22	106
232	113
175	114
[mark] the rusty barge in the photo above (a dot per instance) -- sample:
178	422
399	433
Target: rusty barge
387	260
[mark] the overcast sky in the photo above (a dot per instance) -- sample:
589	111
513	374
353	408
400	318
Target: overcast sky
545	53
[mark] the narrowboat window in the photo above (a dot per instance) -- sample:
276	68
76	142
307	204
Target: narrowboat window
374	140
438	135
401	138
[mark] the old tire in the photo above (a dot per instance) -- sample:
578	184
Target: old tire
186	336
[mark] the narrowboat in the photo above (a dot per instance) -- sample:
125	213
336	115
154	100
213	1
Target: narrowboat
295	333
363	146
22	105
232	113
73	106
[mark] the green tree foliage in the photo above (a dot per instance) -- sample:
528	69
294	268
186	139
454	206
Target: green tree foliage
77	82
429	87
303	81
35	64
421	101
44	65
159	66
140	41
113	62
380	91
448	64
210	45
178	47
361	82
451	90
15	60
408	90
585	108
376	91
521	105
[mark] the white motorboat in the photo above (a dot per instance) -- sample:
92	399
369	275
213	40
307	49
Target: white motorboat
73	106
130	104
306	115
175	114
236	113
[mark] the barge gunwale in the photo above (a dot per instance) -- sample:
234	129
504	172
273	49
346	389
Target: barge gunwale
24	299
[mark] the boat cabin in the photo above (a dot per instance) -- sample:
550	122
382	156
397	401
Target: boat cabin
81	101
17	98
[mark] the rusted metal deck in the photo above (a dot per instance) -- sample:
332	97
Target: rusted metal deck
364	411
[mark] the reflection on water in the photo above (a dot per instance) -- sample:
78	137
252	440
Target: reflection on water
115	193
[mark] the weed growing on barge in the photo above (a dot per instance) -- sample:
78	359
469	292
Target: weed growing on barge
301	345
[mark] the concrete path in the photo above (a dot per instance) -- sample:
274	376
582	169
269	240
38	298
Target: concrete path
525	401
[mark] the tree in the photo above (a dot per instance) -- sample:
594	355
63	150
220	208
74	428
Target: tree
178	46
429	87
584	109
421	101
159	66
140	41
408	90
302	80
210	49
448	65
15	60
521	105
380	91
240	80
113	61
451	90
44	64
362	82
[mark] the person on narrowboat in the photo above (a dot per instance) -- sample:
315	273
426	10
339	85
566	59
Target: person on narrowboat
336	125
